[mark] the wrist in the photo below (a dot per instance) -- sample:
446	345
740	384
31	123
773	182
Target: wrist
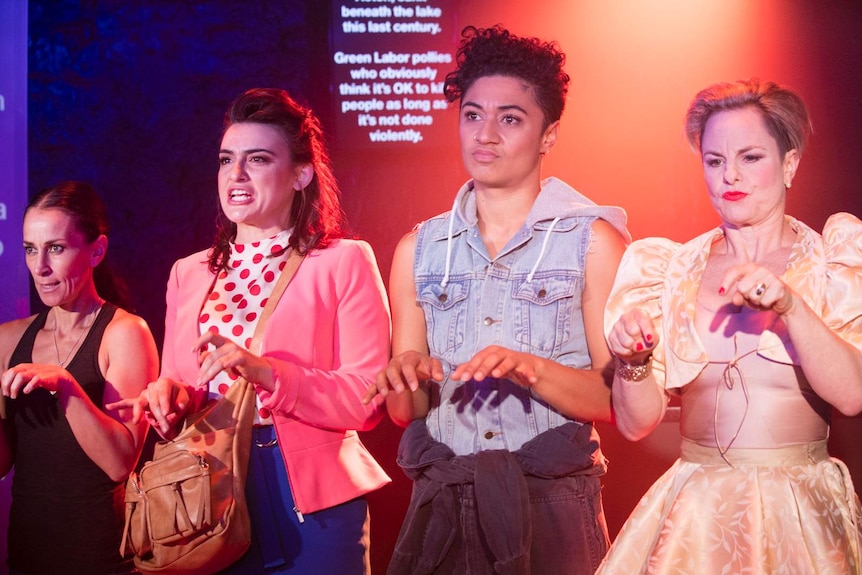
636	371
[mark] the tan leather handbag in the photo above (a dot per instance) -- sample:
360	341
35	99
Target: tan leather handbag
186	511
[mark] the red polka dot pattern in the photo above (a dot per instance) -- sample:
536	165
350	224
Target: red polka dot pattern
245	285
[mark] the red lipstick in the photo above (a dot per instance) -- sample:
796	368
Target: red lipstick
734	196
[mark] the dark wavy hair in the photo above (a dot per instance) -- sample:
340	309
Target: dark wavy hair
88	213
316	212
783	111
497	52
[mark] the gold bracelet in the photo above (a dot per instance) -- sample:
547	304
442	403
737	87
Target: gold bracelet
634	372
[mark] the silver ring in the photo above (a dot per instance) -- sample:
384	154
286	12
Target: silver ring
760	289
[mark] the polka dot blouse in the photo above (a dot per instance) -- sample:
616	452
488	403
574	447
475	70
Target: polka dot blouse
238	298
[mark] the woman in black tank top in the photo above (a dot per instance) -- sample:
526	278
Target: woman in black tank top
59	369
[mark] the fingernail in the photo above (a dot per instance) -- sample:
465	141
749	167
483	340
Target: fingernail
721	291
639	346
649	337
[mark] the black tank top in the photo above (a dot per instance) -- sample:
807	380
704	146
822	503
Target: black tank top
66	514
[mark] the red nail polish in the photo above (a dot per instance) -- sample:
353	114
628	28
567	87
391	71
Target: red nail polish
721	291
639	346
649	337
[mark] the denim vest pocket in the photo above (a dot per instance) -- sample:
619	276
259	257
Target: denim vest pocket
543	312
445	310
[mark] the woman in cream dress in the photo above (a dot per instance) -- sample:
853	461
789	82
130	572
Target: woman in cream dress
757	326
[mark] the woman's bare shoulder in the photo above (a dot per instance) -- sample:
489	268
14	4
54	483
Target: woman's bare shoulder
10	334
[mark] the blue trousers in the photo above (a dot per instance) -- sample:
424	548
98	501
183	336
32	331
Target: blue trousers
330	541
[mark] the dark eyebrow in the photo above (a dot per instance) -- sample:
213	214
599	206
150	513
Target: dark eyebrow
252	151
503	108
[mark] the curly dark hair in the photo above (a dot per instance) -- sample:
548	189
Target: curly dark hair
316	211
497	52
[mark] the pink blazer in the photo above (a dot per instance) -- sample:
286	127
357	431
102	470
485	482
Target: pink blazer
326	340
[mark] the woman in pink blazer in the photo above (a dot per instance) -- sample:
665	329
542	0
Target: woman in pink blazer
320	349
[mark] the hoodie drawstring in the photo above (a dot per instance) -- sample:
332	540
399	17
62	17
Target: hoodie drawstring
445	280
542	251
449	244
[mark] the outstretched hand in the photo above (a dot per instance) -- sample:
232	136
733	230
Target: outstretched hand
404	372
164	403
230	357
497	361
26	377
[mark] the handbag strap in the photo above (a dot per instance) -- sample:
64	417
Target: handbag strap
294	258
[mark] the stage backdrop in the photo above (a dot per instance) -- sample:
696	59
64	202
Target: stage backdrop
14	292
130	95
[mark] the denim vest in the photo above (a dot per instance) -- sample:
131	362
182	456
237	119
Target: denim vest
527	298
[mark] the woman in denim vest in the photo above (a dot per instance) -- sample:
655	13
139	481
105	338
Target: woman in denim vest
498	347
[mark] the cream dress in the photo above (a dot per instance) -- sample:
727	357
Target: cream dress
754	490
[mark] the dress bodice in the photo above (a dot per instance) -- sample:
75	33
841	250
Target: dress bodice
742	398
722	363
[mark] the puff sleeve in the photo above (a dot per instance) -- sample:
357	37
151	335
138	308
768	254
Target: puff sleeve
639	284
842	302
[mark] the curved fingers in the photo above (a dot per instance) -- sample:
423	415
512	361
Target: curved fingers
404	371
26	377
165	402
497	361
757	287
633	336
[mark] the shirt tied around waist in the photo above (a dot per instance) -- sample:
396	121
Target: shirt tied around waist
500	490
